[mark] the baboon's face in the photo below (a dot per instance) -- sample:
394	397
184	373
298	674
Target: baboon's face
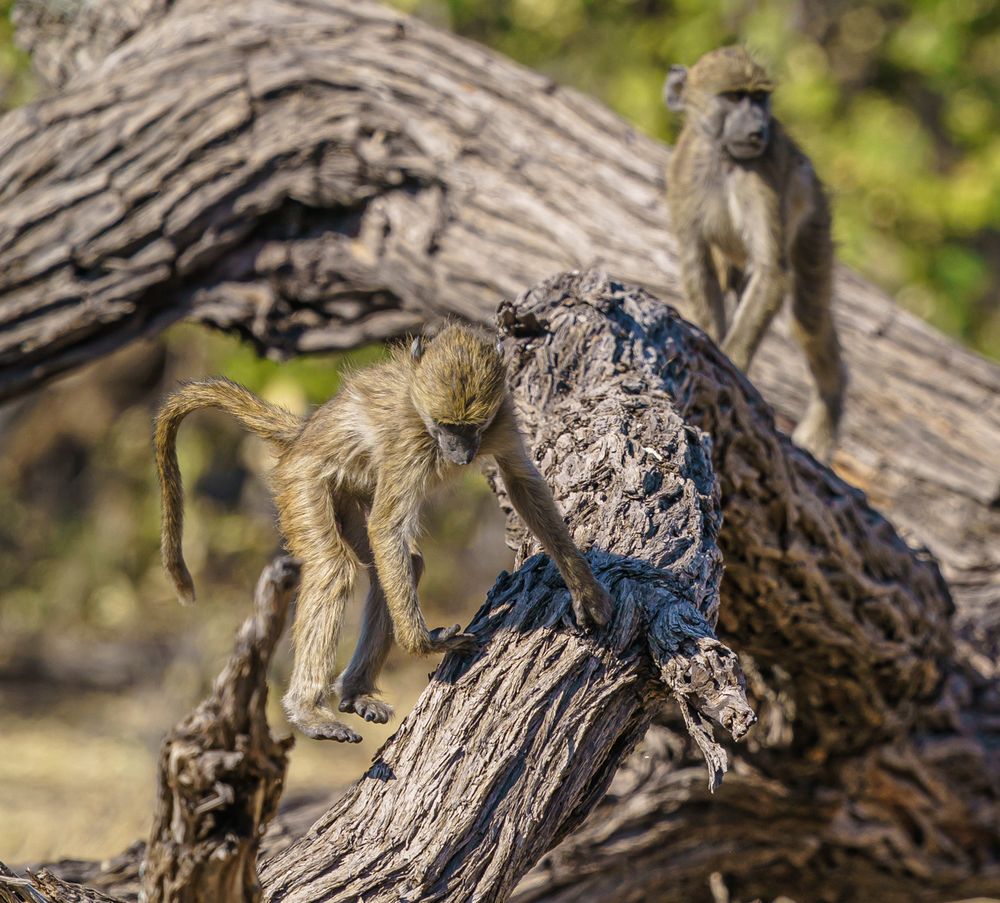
742	122
458	442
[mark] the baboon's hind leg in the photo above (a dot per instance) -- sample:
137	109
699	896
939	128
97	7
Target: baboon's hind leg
815	331
329	571
357	685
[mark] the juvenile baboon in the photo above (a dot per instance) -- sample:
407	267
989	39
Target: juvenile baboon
349	483
748	209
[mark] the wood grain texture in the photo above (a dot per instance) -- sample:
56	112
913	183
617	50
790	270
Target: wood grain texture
316	174
221	772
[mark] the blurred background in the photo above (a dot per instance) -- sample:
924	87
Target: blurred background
897	103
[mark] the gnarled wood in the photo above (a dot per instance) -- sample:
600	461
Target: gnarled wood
506	752
870	775
320	174
221	772
873	774
358	174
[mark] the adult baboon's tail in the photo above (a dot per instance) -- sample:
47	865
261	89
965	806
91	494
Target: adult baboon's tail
266	420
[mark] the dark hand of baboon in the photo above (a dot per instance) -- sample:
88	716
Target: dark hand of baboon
451	639
593	607
748	209
350	481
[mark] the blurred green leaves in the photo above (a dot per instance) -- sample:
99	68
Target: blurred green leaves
897	102
16	82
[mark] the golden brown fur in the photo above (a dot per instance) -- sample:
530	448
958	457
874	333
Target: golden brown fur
349	483
748	208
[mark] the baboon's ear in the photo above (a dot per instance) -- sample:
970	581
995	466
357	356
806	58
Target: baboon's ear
417	348
673	88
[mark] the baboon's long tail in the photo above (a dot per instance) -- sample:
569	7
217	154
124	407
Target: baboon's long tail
266	420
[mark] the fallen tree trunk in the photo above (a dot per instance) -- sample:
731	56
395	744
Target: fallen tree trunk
359	174
317	175
871	774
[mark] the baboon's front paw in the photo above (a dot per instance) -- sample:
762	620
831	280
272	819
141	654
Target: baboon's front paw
451	639
593	606
367	707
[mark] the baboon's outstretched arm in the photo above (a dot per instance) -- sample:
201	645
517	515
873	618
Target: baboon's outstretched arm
391	527
532	500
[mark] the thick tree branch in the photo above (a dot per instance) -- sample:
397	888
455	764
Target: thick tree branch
505	753
877	746
356	174
320	174
817	583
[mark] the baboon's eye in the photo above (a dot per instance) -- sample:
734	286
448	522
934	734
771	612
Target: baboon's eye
463	431
760	97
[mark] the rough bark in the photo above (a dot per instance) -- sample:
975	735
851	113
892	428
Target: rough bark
221	772
358	174
505	753
319	173
872	774
68	38
45	888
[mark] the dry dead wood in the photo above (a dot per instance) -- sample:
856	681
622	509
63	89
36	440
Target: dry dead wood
221	772
356	174
219	780
871	773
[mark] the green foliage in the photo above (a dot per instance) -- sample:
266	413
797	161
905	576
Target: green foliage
897	103
16	83
296	383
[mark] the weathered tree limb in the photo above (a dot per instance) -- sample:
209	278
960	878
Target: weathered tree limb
422	175
220	776
817	583
221	772
46	888
876	777
874	774
505	753
320	174
120	874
